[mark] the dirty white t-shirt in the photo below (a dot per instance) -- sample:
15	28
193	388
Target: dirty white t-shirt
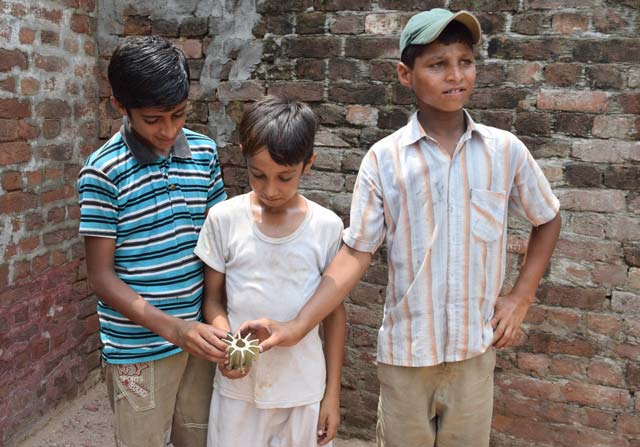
273	278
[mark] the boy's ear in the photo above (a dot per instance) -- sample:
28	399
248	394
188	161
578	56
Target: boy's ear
307	166
405	75
119	106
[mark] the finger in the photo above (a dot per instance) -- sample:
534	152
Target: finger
213	337
270	342
332	430
499	333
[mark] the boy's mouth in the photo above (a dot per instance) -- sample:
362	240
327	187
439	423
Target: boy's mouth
453	91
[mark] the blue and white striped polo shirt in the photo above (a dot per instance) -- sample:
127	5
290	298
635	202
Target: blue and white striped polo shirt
154	207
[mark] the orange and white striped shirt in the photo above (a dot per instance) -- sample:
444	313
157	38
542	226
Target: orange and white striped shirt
444	219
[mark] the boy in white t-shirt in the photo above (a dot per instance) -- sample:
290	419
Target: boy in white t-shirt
268	249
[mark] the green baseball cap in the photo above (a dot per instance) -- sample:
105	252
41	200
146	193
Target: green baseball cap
425	27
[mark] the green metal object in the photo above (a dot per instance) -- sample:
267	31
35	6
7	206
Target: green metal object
242	350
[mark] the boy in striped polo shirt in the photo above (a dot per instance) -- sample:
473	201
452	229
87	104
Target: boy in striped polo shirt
438	190
144	196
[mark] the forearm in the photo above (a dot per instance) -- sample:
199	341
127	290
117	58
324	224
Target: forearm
117	294
334	335
341	276
216	315
542	242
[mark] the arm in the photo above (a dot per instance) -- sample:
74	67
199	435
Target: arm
344	272
215	313
512	308
334	332
194	337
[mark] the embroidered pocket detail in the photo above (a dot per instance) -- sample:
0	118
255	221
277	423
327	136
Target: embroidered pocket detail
136	382
487	214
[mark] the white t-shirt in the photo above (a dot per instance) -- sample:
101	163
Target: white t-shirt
273	278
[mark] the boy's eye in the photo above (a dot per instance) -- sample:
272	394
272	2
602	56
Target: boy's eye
179	115
282	179
257	175
150	121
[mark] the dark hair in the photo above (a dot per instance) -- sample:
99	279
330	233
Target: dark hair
284	126
148	71
454	32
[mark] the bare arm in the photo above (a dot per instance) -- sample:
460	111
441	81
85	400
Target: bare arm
344	272
334	332
194	337
512	308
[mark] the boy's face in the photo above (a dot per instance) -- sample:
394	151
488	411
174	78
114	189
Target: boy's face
158	128
275	185
442	76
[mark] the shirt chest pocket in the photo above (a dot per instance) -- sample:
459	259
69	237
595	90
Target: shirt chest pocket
487	214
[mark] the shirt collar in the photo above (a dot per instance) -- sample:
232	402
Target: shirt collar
143	154
414	132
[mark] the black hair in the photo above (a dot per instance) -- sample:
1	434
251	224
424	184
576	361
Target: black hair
148	71
454	32
284	126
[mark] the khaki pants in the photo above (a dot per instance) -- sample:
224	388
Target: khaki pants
160	401
448	405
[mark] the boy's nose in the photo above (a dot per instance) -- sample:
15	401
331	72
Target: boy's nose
454	73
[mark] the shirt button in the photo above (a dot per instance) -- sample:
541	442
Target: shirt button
172	187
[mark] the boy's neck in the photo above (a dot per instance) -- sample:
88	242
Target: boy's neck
446	128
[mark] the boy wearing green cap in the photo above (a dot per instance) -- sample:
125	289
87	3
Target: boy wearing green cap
438	190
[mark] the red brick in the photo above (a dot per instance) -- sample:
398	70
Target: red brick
589	250
610	50
610	201
8	84
16	202
12	153
603	76
607	126
240	91
39	264
609	275
629	103
536	363
60	193
28	130
82	24
606	20
606	151
12	108
606	373
605	324
357	93
192	48
593	102
569	23
53	109
381	70
59	236
628	350
562	74
12	58
596	396
29	86
27	36
49	37
317	47
302	91
385	23
346	24
50	63
362	115
11	181
579	297
311	22
52	15
310	69
137	25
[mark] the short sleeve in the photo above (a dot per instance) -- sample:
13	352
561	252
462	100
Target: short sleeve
531	196
335	242
98	203
366	228
216	192
209	247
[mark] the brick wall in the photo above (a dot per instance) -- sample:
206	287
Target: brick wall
563	75
48	104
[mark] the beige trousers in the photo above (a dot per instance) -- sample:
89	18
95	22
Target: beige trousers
448	405
160	401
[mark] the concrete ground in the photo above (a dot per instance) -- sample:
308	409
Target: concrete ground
86	422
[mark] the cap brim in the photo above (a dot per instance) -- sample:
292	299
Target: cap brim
468	20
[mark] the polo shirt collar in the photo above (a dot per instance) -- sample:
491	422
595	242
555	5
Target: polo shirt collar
142	153
414	132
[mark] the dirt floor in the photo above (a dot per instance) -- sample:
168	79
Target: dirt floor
86	422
